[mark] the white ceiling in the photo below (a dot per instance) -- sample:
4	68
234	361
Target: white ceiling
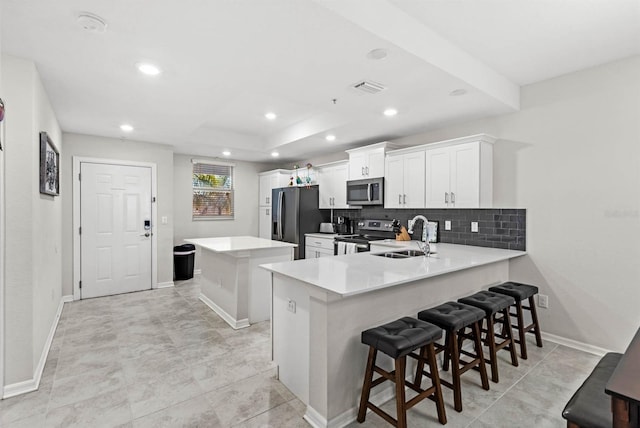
226	63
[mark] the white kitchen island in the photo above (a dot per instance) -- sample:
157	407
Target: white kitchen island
317	348
231	282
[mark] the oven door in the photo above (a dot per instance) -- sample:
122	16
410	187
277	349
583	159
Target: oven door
338	249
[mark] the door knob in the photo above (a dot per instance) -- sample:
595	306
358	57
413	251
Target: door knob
146	234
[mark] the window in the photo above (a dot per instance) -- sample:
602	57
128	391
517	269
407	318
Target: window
212	191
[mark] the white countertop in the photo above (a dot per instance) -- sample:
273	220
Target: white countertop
353	274
322	235
229	244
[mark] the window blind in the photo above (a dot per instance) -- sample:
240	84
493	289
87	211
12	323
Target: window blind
213	193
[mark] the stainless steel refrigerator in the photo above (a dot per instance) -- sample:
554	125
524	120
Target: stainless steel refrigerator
295	212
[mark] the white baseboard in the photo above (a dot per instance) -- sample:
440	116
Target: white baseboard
33	383
165	284
316	420
580	346
235	324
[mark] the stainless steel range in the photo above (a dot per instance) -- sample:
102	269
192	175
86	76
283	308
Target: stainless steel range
368	230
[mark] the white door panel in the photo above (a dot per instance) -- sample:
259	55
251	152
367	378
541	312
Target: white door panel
115	254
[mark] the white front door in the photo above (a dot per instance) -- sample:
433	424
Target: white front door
115	234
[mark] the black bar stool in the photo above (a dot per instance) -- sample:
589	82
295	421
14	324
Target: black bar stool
492	303
454	318
398	340
522	292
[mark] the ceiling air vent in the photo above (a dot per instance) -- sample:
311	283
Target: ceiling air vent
368	87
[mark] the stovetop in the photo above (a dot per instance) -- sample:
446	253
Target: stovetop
370	230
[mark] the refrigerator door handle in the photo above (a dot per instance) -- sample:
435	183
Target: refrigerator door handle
280	207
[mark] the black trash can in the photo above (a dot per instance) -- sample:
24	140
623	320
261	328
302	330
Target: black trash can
183	259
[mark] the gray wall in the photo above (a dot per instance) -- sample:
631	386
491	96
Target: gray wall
33	238
120	149
571	157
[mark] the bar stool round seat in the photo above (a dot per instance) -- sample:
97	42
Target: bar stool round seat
516	290
493	303
398	339
452	315
455	318
522	292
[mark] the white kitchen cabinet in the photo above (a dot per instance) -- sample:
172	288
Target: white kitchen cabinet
318	246
368	161
332	184
270	180
405	179
460	175
264	223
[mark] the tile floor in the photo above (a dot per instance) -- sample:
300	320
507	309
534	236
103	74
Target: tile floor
163	359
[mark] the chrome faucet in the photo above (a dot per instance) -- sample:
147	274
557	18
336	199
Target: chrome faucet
424	244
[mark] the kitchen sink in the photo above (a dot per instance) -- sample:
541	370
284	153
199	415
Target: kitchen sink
411	253
404	254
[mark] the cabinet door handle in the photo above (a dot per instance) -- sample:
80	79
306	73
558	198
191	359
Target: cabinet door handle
362	171
404	199
399	199
367	169
267	198
267	211
446	197
453	198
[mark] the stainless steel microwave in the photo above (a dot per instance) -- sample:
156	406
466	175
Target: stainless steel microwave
369	191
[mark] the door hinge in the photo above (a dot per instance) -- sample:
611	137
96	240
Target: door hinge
153	200
79	175
80	230
80	284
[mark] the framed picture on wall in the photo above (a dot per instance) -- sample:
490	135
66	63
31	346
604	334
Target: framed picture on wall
49	166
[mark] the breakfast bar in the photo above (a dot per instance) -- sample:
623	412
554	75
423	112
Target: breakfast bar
232	285
320	307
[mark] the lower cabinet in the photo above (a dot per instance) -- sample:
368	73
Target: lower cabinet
318	246
264	223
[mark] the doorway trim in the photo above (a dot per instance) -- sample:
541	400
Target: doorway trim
77	160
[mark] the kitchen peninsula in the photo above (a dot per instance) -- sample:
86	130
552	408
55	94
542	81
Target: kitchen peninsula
321	305
231	282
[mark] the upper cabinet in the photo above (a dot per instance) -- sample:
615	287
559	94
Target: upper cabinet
404	179
272	180
332	184
459	173
368	161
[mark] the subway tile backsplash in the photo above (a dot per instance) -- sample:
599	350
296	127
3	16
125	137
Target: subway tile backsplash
497	227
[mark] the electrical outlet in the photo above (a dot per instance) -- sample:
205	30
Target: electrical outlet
291	307
165	219
474	226
543	301
409	224
447	225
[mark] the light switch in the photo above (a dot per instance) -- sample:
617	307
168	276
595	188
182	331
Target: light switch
447	225
165	219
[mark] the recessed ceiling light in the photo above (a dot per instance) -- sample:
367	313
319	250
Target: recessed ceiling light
390	112
270	116
226	153
377	53
457	92
92	23
148	69
275	154
330	137
126	127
